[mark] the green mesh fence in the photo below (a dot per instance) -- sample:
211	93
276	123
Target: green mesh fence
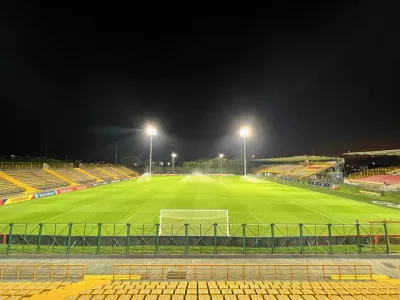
199	239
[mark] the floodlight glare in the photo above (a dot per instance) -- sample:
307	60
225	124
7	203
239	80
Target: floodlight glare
244	131
173	154
150	130
221	155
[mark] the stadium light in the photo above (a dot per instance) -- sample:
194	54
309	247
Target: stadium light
244	133
150	131
221	156
173	155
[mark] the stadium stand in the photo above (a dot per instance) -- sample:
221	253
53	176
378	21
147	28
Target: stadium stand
279	169
97	173
113	172
75	175
200	282
307	171
380	179
8	188
38	179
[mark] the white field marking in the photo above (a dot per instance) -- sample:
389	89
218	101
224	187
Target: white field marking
73	210
314	211
256	218
197	178
131	217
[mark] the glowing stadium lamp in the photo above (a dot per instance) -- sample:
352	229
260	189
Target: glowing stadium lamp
173	155
221	156
244	133
150	131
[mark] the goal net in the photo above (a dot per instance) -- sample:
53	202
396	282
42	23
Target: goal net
200	222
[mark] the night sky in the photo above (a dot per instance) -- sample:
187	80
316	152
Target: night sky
319	75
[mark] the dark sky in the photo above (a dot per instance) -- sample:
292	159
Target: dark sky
321	75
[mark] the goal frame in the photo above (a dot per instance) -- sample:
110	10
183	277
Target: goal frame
196	210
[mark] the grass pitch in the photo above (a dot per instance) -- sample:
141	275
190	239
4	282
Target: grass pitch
248	200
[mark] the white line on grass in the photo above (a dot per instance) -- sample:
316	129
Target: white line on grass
131	217
314	211
73	210
256	218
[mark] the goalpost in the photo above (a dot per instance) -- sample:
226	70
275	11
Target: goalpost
196	218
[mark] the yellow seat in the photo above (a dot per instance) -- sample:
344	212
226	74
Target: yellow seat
203	291
230	297
120	292
145	292
295	297
111	297
109	292
164	297
237	292
151	297
81	297
217	297
214	292
269	297
191	297
124	297
282	297
98	297
243	297
180	292
256	297
204	297
226	291
178	297
168	291
191	292
272	292
157	292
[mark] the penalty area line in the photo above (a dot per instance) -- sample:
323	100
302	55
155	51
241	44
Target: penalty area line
131	217
256	218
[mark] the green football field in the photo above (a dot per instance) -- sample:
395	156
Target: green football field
247	200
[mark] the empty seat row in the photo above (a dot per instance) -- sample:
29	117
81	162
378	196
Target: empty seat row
75	175
8	188
38	179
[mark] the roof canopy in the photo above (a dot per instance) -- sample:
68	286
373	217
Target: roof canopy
395	152
293	159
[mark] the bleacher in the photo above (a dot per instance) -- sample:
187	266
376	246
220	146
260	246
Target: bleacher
8	188
197	282
113	172
380	179
309	170
75	175
127	171
280	169
97	173
38	179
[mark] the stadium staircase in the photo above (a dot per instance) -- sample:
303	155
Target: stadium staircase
22	185
107	173
197	282
98	173
88	174
53	172
75	175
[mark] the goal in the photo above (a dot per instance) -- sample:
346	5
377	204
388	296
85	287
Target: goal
172	221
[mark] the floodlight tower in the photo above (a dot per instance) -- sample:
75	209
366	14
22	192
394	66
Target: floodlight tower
150	131
244	133
173	155
221	156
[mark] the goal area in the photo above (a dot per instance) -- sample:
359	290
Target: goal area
199	222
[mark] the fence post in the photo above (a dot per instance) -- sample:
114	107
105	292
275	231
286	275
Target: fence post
98	238
10	238
301	238
358	237
273	238
39	238
69	238
186	238
157	238
330	238
128	237
244	238
386	237
215	238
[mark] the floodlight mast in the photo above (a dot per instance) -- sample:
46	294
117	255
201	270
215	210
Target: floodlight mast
173	155
221	156
150	131
244	133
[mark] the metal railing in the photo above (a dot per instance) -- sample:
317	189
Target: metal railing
42	272
203	239
240	272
